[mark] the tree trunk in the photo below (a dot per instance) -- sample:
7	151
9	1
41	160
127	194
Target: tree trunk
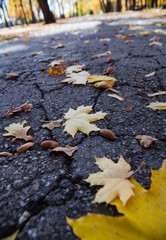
21	5
119	5
48	16
6	22
32	13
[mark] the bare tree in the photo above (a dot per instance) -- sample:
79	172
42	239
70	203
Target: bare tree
48	15
32	13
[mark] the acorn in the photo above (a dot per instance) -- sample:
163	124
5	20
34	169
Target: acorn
107	134
42	69
109	70
24	147
49	144
109	60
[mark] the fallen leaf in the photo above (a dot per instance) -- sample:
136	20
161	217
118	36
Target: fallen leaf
129	41
11	237
25	147
26	40
37	53
86	41
136	27
107	85
18	131
157	105
120	36
154	39
150	74
145	140
114	177
157	94
144	33
79	120
77	78
6	154
160	31
143	215
75	68
52	124
132	35
102	78
9	53
105	39
59	69
56	62
59	46
128	109
155	44
116	97
100	55
68	150
24	107
12	75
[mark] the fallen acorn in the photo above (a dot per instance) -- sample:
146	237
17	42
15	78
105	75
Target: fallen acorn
107	134
49	144
109	70
24	147
42	69
109	60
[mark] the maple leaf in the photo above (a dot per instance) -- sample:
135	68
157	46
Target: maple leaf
52	124
145	140
76	68
100	78
144	215
24	107
157	105
59	69
69	150
114	177
79	120
77	78
18	131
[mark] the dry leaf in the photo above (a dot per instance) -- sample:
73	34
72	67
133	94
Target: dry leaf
154	39
120	36
59	46
26	40
155	44
129	41
18	131
56	62
52	124
145	140
75	68
77	78
157	105
68	150
143	215
9	53
11	237
144	33
136	27
86	41
150	74
25	147
132	35
12	75
100	55
128	109
102	78
59	69
105	39
79	120
157	94
37	53
116	97
114	177
6	154
24	107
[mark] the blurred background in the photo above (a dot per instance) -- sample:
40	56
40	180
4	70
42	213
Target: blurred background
20	12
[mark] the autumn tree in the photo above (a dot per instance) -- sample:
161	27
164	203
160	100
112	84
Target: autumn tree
32	13
48	15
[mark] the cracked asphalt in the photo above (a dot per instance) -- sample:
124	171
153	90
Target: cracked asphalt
37	189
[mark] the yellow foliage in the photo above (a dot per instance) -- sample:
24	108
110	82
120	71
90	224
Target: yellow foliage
144	215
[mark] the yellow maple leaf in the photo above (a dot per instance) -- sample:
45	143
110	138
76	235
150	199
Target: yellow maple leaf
79	120
99	78
114	177
144	215
157	105
18	131
77	78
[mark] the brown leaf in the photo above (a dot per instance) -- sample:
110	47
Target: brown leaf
60	69
12	75
100	55
145	140
24	107
68	150
120	36
59	46
128	109
24	147
155	44
154	39
5	154
49	144
52	124
37	53
129	41
9	53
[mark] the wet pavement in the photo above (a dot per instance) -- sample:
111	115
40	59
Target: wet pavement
37	189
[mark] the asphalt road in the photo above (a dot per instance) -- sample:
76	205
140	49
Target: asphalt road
38	189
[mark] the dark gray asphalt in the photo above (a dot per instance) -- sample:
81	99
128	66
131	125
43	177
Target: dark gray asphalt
38	190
